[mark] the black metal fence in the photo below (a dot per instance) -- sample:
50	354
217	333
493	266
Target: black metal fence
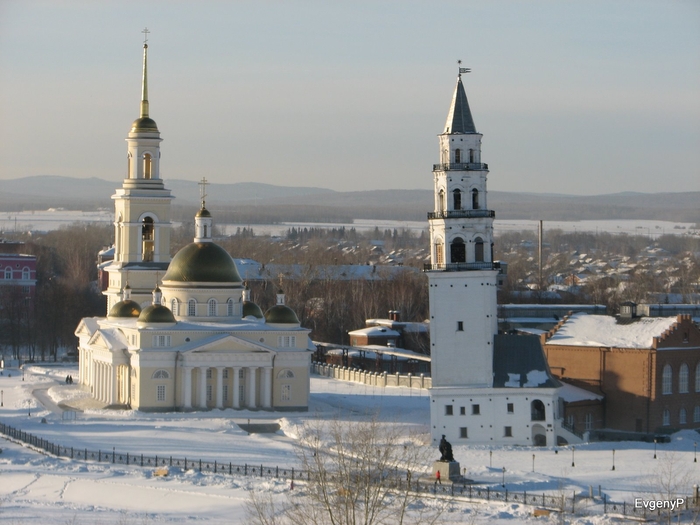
573	504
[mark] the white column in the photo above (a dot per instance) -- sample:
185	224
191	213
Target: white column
202	387
113	381
267	387
187	388
219	387
236	387
251	386
100	382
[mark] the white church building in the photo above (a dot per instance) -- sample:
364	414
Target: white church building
487	388
182	334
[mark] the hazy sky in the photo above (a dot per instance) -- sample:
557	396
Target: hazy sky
581	97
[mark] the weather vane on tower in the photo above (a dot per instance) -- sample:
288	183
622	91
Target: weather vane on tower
462	69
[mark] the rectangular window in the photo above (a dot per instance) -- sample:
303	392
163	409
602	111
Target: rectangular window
225	389
508	432
286	392
476	410
208	373
448	410
463	432
209	392
460	326
161	340
225	373
510	408
286	341
160	392
462	411
589	421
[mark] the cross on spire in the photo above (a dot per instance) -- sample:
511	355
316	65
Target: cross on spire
203	190
145	36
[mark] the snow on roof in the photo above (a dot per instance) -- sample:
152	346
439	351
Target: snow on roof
603	330
376	331
570	393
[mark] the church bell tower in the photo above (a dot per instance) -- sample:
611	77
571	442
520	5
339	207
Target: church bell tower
142	210
462	274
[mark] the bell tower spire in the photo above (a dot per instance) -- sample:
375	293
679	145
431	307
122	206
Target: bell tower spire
144	81
141	206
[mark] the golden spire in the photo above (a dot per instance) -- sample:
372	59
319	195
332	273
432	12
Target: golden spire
144	83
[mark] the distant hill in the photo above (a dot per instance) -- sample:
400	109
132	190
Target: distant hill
268	203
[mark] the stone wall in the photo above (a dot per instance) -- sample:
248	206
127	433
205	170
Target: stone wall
382	379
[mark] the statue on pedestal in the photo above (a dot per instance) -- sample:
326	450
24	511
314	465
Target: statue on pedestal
446	450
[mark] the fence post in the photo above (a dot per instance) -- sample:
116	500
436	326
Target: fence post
214	466
230	470
200	465
71	452
277	471
261	470
624	508
605	503
488	493
245	469
99	456
156	461
573	503
85	458
113	454
506	499
185	463
142	460
127	459
171	461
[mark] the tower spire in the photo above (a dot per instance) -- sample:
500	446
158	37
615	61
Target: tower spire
144	82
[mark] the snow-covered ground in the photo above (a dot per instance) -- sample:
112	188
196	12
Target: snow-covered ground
35	488
47	220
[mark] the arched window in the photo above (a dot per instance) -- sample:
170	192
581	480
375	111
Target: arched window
148	238
683	379
537	412
458	156
192	308
147	165
682	416
128	166
457	199
286	374
471	155
175	307
160	374
229	307
479	249
667	380
475	199
696	415
8	273
439	253
666	418
25	274
458	251
441	200
212	307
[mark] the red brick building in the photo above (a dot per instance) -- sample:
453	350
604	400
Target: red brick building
647	369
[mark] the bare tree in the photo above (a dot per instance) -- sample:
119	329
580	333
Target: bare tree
359	472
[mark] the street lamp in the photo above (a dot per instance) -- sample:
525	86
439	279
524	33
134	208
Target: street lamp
533	463
613	450
655	442
695	452
573	452
503	481
490	458
29	407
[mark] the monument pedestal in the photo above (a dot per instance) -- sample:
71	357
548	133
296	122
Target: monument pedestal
447	469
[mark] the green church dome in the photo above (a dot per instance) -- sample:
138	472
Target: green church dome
156	313
281	314
144	124
202	262
252	309
126	308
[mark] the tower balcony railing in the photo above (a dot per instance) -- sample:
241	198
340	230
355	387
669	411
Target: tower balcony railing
461	214
447	166
462	267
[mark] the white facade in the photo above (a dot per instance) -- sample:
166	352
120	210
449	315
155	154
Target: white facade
487	388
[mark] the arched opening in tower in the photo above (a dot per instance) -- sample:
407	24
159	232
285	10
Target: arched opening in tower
458	252
148	239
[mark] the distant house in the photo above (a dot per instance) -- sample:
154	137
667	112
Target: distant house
17	277
647	369
393	332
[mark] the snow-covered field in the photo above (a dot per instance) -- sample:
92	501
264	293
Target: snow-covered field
36	488
47	220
